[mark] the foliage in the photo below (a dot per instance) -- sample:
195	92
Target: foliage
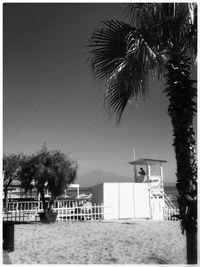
50	170
11	167
12	164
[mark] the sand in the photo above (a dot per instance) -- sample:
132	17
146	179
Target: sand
92	242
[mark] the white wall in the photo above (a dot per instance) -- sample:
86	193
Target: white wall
141	200
110	200
123	200
126	200
157	208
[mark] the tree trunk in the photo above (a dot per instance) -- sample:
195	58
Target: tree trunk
6	199
43	200
191	238
182	108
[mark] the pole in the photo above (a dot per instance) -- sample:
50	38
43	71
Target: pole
135	169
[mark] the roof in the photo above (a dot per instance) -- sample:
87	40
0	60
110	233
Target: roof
147	161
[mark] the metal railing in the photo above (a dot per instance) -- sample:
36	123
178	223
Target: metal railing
170	210
168	202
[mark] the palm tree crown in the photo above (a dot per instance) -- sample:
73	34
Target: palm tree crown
125	55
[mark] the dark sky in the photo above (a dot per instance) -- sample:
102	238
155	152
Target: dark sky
49	94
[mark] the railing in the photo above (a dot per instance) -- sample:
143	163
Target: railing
32	205
95	212
170	210
21	216
67	203
74	213
24	205
168	202
171	214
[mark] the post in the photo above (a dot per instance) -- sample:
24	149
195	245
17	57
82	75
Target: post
148	171
78	191
102	207
161	174
162	188
135	173
134	154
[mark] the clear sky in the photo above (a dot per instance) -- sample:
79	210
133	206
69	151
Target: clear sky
50	96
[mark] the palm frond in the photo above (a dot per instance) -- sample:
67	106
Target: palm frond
117	96
130	80
167	24
121	55
108	47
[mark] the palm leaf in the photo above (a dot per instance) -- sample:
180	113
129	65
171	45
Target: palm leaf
108	47
166	24
121	55
130	79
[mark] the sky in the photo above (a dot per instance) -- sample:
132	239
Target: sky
50	96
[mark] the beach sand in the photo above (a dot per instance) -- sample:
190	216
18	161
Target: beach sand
92	242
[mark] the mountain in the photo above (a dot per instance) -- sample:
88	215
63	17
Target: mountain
95	177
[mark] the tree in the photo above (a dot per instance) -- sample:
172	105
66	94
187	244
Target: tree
160	41
48	170
11	167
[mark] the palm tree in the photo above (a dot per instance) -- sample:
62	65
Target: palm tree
160	41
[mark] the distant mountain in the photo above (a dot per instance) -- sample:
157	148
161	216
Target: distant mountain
95	177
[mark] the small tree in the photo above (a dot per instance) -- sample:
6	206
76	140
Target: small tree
11	167
48	170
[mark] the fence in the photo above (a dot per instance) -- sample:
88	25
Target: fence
67	210
95	212
32	205
24	206
74	213
21	216
171	214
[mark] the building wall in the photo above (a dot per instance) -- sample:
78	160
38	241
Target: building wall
141	200
111	200
126	200
157	206
123	200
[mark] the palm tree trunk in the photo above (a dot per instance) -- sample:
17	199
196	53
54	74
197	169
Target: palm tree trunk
182	109
191	239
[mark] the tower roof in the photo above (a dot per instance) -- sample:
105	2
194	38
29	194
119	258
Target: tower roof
147	162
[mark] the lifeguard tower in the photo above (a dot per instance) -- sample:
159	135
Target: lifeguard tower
149	173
